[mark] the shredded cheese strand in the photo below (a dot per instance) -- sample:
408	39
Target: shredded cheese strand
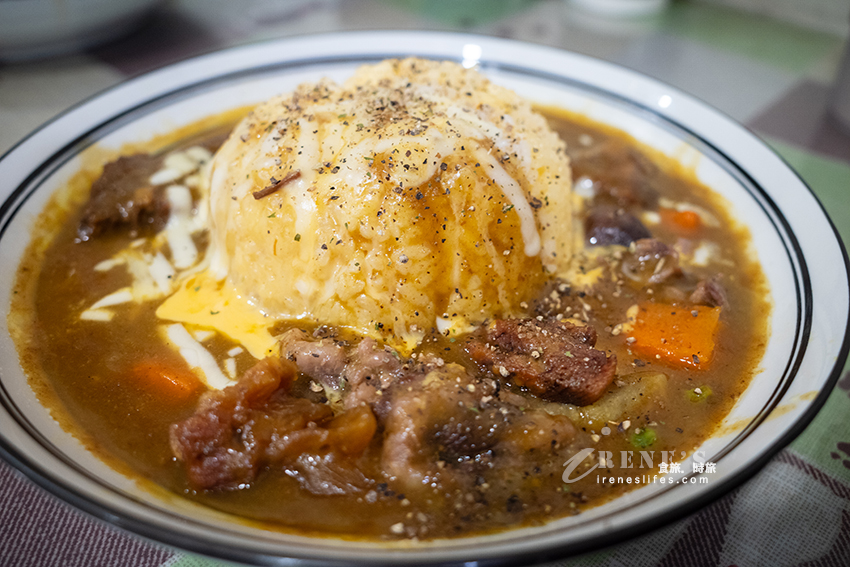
196	356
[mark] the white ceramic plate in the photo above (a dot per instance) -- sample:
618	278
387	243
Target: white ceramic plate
798	247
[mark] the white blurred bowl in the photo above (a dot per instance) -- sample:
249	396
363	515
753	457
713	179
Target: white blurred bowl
622	8
32	29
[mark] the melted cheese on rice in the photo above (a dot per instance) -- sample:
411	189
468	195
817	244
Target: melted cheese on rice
421	196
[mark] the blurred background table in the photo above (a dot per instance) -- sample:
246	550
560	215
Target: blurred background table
769	64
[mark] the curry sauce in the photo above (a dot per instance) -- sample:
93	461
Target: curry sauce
663	271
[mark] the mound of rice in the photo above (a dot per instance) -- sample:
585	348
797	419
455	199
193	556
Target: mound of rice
416	195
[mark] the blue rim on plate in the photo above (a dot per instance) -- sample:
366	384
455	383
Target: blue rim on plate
746	161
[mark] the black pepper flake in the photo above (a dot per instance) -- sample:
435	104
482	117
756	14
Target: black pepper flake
696	359
419	195
679	430
443	166
514	504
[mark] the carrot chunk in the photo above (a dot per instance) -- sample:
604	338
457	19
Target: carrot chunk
167	381
683	222
676	335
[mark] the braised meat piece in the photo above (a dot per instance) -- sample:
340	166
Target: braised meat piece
448	430
208	442
620	174
436	417
553	359
709	292
371	370
360	373
237	431
123	197
321	359
650	261
610	225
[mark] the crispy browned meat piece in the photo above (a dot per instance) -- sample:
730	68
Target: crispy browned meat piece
255	423
123	197
553	359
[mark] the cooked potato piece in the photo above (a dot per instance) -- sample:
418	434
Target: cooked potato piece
640	391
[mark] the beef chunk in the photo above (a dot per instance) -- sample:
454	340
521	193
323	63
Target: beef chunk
360	373
328	475
371	370
709	292
447	428
237	431
207	441
421	407
610	225
323	360
122	197
621	175
650	261
553	359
